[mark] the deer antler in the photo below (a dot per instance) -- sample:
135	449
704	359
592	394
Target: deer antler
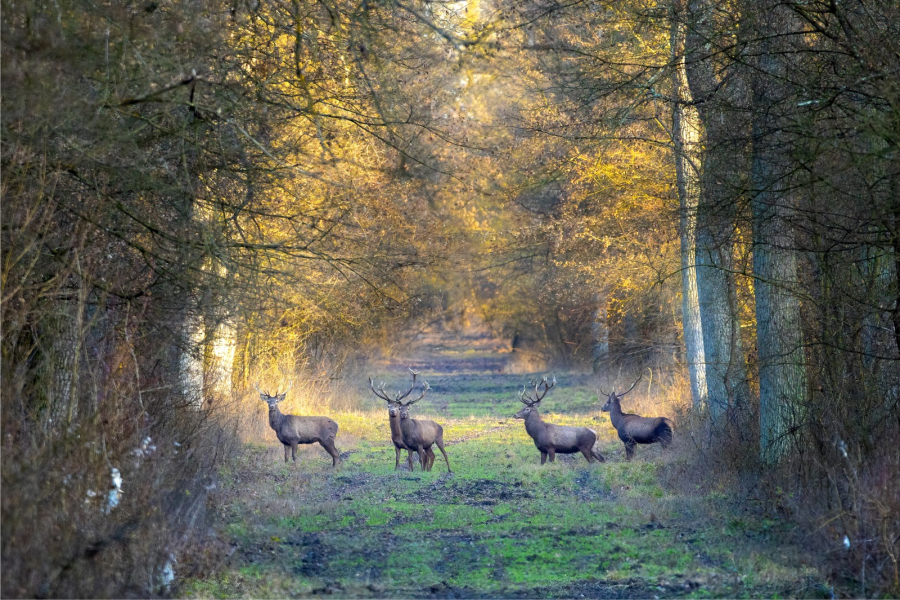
633	384
526	399
290	385
256	385
383	395
546	385
425	388
402	396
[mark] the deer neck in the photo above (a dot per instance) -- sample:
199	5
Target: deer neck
407	427
276	418
533	422
615	413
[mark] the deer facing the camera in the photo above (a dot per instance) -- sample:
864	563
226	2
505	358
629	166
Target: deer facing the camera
635	429
420	434
551	439
394	421
292	430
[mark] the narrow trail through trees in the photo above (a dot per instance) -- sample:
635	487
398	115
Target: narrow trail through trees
501	525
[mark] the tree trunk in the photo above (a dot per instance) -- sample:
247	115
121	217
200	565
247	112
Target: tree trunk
191	362
686	133
726	370
782	376
221	370
66	349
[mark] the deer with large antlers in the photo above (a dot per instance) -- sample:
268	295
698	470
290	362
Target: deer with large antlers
292	430
420	435
551	439
393	405
635	429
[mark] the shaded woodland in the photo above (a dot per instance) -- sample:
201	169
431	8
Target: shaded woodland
198	196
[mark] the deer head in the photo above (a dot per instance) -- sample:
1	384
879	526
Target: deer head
272	399
404	408
394	403
613	397
532	403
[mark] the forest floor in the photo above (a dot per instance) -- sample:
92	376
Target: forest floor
501	525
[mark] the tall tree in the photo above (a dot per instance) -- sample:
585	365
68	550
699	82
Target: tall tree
782	377
686	133
716	213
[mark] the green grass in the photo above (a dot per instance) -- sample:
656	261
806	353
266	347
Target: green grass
501	524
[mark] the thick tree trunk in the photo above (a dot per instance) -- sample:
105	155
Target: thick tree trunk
726	371
686	133
782	371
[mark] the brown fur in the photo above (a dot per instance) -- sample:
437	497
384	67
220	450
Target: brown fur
419	435
635	429
397	435
551	439
292	430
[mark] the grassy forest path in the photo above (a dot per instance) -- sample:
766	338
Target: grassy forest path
500	525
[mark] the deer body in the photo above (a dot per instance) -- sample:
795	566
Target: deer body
292	430
397	436
412	434
552	439
635	429
419	435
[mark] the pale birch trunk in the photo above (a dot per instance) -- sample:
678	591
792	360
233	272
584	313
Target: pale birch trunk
191	362
222	352
686	133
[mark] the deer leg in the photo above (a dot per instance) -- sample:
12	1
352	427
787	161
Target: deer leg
629	449
440	445
429	456
397	462
294	451
543	457
422	458
286	448
587	455
330	449
552	452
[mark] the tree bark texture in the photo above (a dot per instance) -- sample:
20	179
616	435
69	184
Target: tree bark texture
782	381
726	371
686	134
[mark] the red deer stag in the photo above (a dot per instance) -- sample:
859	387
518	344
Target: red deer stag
550	438
635	429
419	434
394	420
292	429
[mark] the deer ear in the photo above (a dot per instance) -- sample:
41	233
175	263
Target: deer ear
280	397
